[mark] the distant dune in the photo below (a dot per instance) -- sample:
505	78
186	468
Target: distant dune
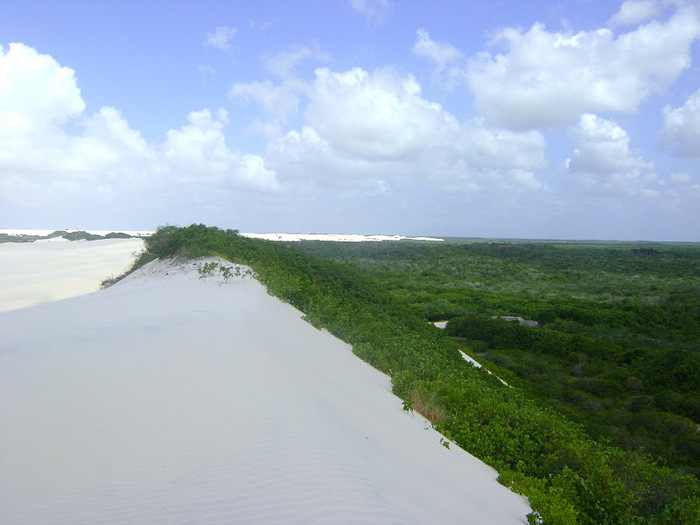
173	399
42	271
336	237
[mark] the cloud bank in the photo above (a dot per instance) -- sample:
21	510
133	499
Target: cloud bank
41	160
542	129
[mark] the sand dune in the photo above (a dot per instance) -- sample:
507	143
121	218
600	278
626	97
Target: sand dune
171	399
335	237
37	272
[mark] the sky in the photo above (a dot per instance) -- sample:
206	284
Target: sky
569	119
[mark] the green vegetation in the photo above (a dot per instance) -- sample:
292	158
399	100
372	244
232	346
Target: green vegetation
210	269
618	346
378	297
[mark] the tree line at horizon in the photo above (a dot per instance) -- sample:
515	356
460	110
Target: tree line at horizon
378	298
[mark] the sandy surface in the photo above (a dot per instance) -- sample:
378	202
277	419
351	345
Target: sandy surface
171	399
37	272
335	237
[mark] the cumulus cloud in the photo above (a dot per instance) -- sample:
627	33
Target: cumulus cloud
633	12
377	127
197	153
603	163
28	100
376	11
307	159
548	78
221	38
378	116
38	97
681	131
108	126
51	153
494	148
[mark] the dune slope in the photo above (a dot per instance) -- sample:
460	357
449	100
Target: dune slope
172	399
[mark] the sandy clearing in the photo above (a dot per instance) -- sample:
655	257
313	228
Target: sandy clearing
170	399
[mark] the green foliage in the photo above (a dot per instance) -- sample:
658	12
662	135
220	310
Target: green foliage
377	298
618	346
209	269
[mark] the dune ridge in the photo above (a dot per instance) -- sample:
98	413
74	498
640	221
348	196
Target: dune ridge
173	399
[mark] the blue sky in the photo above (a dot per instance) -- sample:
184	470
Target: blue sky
576	119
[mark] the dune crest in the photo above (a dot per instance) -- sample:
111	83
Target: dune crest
168	398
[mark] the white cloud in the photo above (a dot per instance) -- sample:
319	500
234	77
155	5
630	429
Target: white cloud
602	162
108	126
377	116
361	126
376	130
376	11
221	38
36	90
440	53
494	148
447	59
548	78
306	158
38	97
53	155
197	154
681	131
283	63
633	12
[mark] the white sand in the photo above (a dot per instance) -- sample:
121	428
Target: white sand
37	272
335	237
170	399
